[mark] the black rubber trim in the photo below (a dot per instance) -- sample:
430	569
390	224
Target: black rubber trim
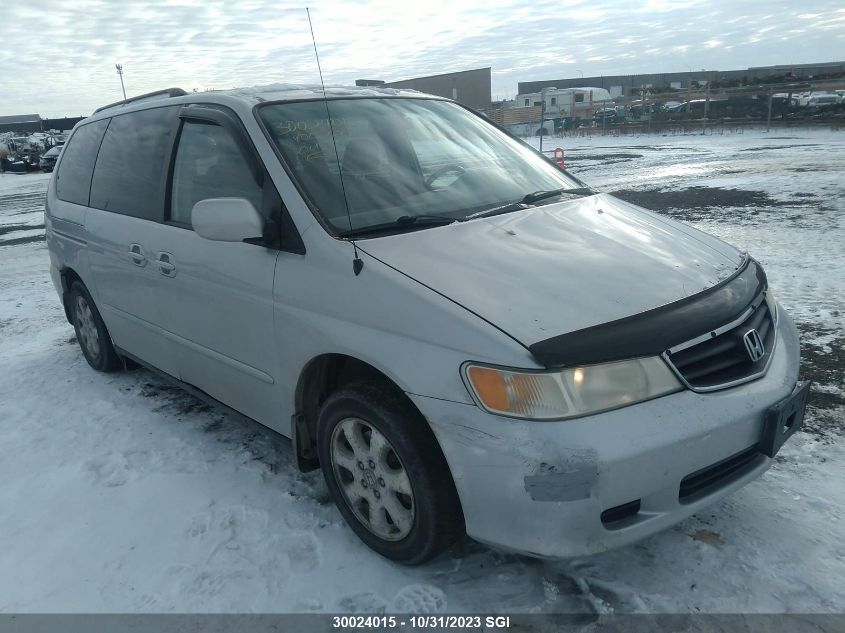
619	513
715	476
654	331
230	121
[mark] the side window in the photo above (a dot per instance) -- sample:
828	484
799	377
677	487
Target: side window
129	173
73	180
209	165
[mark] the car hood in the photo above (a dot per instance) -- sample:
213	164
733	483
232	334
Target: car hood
560	267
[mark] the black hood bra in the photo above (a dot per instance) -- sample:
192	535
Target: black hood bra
654	331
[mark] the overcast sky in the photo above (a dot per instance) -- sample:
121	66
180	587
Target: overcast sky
57	56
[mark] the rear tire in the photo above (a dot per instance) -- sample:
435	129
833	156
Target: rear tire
91	332
387	474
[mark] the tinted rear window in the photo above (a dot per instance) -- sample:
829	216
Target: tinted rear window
128	178
73	181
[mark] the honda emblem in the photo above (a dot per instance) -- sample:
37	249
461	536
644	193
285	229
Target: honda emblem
754	345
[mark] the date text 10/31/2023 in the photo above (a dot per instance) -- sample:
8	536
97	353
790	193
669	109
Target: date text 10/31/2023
421	622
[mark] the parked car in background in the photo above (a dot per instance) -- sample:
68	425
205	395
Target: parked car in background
463	336
635	110
802	99
48	159
609	116
818	99
566	123
821	103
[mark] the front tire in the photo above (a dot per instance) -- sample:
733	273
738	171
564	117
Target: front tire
386	473
91	332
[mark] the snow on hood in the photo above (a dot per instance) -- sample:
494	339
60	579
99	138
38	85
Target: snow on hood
560	267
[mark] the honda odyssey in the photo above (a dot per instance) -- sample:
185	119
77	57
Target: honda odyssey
464	337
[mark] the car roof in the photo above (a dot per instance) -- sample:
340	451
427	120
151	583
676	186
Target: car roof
296	92
244	99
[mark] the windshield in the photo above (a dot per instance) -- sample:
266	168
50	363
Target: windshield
403	159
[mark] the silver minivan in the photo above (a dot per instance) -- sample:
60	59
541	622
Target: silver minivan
464	337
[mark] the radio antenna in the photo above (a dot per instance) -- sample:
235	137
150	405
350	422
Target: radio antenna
357	263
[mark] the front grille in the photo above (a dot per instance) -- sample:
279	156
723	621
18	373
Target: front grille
723	358
706	480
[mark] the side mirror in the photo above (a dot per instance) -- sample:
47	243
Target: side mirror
227	220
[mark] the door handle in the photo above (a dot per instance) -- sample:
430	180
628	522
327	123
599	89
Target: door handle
136	254
165	264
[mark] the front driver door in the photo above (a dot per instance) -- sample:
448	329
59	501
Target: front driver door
217	297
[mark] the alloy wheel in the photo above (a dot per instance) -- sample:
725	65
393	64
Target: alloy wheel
88	333
372	479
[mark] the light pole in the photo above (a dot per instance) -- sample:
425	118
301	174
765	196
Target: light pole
119	68
542	116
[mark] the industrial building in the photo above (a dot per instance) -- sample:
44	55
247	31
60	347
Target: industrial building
29	123
632	85
472	88
21	123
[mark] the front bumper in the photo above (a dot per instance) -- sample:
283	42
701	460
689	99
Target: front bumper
540	488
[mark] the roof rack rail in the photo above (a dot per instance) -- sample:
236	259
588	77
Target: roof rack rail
167	92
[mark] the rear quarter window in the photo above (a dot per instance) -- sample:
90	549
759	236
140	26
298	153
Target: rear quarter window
73	180
129	176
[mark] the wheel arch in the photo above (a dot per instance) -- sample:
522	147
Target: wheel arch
68	275
319	378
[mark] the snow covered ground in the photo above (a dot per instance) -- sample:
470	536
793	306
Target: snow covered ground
121	494
22	208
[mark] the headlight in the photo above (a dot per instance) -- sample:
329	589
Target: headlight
569	393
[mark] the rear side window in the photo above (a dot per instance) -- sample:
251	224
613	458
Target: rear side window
128	178
209	164
73	181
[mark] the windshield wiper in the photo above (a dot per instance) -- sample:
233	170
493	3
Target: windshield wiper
529	199
536	196
400	223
